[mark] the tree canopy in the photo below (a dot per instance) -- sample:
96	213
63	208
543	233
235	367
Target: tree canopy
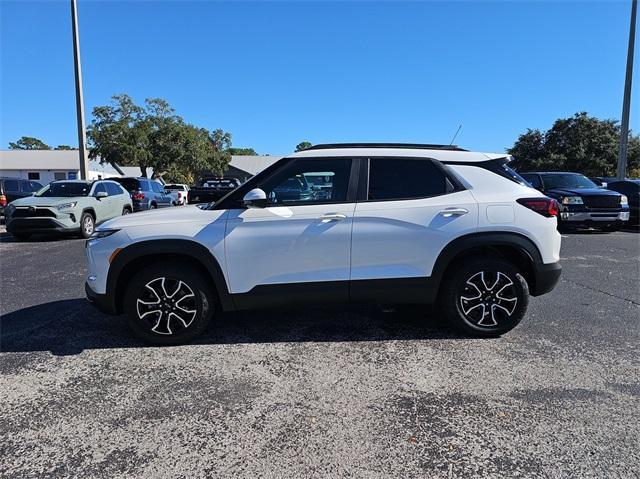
153	136
29	143
581	143
303	145
243	151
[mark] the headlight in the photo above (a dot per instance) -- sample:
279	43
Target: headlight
572	200
624	200
65	206
102	234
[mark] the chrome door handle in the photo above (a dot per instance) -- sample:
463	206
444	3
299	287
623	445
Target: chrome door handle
333	217
453	212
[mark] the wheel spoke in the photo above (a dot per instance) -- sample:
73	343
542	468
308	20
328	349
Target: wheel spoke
486	299
167	309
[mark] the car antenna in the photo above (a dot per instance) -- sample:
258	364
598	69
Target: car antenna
454	136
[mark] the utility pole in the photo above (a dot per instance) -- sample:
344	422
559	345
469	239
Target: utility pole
626	102
82	139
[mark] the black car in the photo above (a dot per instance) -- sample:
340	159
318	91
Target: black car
631	189
146	194
14	188
212	189
582	202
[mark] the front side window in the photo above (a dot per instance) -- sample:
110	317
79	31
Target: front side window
113	189
309	182
398	178
156	187
33	186
100	188
567	181
65	189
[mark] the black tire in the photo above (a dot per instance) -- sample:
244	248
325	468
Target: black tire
610	228
87	224
126	211
152	206
497	309
166	327
21	236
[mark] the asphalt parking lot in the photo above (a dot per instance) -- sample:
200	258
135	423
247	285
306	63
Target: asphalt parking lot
322	393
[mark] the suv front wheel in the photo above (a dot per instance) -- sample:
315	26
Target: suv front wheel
168	304
485	297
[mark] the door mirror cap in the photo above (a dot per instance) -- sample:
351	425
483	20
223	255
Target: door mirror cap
101	194
256	198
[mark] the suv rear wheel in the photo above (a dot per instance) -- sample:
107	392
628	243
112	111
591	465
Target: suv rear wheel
485	297
87	224
168	304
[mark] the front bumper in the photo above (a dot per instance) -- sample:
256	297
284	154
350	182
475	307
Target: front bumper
39	225
102	302
546	277
587	216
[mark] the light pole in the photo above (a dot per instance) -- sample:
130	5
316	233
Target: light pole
626	102
82	139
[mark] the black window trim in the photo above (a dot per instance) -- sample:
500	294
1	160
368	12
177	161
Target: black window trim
457	185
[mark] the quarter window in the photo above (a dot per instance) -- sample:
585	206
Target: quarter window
397	178
309	182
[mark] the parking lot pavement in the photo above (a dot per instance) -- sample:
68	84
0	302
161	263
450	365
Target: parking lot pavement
322	393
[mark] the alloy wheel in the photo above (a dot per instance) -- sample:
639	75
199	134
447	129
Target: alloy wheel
87	225
167	305
488	298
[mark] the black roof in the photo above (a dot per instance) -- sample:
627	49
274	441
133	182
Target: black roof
409	146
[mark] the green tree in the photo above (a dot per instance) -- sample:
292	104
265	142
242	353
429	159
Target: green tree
303	145
29	143
581	143
243	151
64	147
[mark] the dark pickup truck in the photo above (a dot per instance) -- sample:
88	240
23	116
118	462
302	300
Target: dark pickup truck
212	189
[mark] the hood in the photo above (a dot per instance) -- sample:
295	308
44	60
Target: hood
169	216
43	200
581	192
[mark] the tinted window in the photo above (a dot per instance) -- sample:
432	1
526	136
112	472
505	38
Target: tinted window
395	178
11	185
129	184
533	179
100	187
65	189
113	189
567	181
291	186
156	187
32	186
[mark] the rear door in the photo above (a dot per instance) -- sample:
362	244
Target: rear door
300	243
413	208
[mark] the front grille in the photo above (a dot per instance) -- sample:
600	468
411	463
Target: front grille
30	213
608	201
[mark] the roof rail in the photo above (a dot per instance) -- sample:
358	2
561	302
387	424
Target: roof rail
410	146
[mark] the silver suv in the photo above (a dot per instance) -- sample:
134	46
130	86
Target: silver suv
67	206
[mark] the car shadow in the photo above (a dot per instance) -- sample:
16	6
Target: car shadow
68	327
39	238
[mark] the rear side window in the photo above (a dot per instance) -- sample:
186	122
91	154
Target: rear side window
397	178
11	185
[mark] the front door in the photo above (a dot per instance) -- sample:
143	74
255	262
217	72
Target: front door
300	244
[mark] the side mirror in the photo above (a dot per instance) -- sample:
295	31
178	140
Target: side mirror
256	198
101	194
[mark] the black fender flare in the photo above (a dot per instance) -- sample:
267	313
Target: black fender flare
467	242
167	247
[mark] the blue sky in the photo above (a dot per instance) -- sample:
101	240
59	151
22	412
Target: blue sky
276	73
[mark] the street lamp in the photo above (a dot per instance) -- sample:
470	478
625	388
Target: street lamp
82	139
626	102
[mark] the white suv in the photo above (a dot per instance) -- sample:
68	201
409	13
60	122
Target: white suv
346	223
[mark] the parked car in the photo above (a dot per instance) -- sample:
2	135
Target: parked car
146	194
212	189
630	189
181	191
400	224
14	188
67	206
582	202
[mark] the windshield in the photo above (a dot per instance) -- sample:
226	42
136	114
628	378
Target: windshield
65	190
567	181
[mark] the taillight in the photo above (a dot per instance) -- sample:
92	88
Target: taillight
3	200
545	206
137	196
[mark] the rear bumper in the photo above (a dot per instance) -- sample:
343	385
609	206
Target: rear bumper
546	277
102	302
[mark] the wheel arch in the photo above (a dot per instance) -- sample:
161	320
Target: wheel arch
138	255
90	210
514	247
